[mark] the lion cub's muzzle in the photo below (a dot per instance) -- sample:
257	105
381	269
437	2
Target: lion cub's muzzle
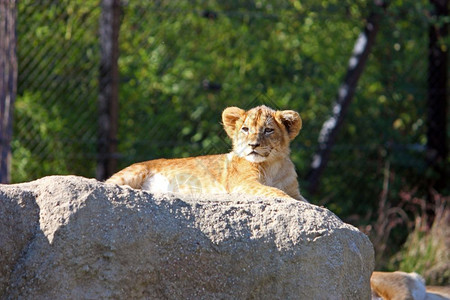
256	153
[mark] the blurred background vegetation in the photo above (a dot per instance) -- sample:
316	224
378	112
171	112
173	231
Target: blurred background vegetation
182	62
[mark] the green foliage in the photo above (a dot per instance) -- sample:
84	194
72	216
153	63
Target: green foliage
55	112
419	254
29	112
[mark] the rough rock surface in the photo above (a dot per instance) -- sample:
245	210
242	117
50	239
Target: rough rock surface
67	237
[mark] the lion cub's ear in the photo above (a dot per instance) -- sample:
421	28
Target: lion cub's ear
229	117
291	120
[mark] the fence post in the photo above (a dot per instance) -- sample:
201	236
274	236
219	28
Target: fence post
109	88
8	83
437	150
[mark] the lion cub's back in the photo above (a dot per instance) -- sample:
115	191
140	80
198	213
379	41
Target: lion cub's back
202	174
194	175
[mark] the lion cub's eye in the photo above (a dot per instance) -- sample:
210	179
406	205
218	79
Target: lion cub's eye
244	129
268	131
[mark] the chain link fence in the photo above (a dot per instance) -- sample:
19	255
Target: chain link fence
55	112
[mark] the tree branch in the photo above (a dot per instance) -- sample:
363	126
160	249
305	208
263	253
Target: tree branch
330	128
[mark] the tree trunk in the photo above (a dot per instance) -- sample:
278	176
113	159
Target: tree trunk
109	88
437	150
330	128
8	83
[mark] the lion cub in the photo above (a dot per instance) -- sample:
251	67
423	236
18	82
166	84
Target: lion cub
400	285
259	163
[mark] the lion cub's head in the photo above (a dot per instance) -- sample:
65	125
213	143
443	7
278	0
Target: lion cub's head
261	134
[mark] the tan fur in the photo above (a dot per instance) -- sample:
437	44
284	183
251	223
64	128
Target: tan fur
438	292
397	285
258	165
404	286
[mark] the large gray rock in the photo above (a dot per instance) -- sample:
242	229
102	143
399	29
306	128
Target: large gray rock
67	237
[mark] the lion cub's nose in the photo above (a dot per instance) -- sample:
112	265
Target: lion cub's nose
254	145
